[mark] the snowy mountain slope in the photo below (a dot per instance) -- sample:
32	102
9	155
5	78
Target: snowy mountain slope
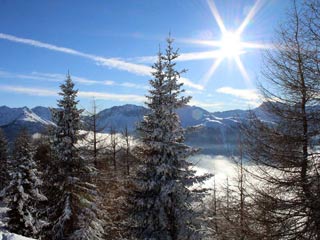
8	115
43	112
12	120
30	116
192	116
119	117
38	114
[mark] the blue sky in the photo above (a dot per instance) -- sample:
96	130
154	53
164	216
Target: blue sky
109	46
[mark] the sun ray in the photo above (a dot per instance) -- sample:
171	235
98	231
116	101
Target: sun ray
211	71
216	15
250	15
256	45
200	55
243	70
212	43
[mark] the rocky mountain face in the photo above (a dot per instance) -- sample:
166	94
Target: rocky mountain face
213	132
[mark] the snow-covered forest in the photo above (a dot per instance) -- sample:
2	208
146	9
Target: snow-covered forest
73	182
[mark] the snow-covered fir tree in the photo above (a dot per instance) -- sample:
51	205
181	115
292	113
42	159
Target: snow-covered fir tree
23	193
3	160
163	202
74	214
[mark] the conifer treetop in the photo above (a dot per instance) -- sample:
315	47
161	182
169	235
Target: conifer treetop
68	93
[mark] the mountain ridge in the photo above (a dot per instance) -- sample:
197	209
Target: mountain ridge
189	115
203	129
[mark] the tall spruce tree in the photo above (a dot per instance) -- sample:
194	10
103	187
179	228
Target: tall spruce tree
162	200
23	192
3	160
75	213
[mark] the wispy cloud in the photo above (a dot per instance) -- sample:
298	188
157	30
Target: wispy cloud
188	83
60	77
56	77
133	85
110	62
4	74
28	91
247	94
50	92
138	69
115	97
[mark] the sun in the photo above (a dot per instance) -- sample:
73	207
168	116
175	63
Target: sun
230	45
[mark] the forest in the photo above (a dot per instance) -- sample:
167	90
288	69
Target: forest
71	182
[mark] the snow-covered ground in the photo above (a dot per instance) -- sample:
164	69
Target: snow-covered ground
11	236
103	139
3	211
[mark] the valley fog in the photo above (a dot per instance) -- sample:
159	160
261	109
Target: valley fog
221	166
